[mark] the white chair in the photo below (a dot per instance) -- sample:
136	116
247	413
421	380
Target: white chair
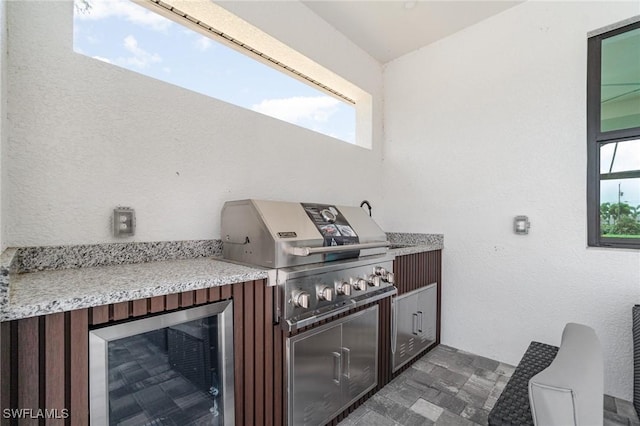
570	391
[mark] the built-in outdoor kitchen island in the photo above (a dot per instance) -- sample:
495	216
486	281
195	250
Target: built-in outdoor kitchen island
54	298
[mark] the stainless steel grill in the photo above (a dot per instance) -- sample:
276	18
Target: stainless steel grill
277	234
325	259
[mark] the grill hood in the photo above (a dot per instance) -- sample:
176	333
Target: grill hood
277	234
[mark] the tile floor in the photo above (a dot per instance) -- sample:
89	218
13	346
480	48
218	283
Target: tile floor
451	387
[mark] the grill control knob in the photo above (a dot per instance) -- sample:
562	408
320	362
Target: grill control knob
343	288
301	299
384	274
379	270
360	284
328	215
325	293
374	280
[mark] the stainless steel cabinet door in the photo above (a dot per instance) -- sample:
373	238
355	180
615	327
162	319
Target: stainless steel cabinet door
415	318
427	315
406	331
315	376
360	354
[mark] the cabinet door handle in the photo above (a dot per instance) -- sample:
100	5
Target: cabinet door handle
420	317
394	324
337	367
347	354
415	323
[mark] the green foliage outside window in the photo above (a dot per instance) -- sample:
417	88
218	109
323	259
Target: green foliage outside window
619	220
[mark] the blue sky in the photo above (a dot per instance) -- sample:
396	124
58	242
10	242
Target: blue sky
125	34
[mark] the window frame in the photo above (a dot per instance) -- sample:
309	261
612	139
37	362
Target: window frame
596	138
232	31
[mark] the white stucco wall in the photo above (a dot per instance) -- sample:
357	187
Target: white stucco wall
488	124
86	136
3	113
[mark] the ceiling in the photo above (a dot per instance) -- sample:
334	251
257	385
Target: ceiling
387	29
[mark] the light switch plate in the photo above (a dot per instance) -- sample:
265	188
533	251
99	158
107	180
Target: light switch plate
124	222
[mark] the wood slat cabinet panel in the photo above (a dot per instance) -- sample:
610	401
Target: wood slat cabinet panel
413	271
202	296
140	307
48	365
238	343
172	301
78	380
120	311
6	367
29	366
156	304
55	365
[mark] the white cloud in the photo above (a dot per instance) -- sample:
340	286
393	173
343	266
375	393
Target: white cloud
202	43
141	58
298	108
102	9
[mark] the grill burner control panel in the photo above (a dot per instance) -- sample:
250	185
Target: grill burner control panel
320	293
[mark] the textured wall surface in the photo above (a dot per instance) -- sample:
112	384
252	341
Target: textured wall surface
488	124
3	115
86	136
3	137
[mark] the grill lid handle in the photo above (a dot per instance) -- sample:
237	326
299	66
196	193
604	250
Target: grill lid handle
307	251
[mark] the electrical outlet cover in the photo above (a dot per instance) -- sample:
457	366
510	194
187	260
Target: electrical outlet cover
124	222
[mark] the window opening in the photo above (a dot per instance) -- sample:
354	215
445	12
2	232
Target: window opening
126	34
613	128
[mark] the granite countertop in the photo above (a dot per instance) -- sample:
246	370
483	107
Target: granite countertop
45	280
403	243
45	292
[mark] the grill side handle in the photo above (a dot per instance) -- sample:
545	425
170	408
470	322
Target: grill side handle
307	251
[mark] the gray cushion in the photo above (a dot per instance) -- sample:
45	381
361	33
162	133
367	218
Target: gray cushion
570	391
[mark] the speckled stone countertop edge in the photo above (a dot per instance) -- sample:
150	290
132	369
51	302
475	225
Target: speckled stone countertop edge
420	248
20	304
7	268
52	259
412	238
44	258
409	243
